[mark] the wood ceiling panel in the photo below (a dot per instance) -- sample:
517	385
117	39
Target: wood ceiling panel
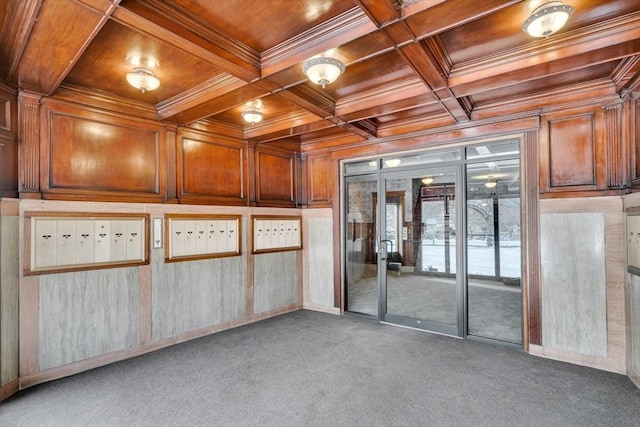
502	30
411	64
264	24
116	50
544	83
367	75
272	107
548	69
56	42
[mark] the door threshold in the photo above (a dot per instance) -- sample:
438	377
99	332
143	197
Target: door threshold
420	329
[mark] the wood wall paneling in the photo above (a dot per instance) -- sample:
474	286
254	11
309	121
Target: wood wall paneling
572	151
318	182
89	155
86	154
8	142
276	183
211	170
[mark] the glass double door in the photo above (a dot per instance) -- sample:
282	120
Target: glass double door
424	250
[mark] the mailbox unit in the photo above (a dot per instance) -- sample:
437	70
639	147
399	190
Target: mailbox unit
276	233
74	241
201	236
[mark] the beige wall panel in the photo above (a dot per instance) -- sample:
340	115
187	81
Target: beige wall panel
634	296
9	351
574	300
318	263
196	294
275	280
86	314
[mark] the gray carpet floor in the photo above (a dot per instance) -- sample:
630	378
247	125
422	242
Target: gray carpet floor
314	369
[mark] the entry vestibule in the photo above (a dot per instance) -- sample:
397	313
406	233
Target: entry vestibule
433	240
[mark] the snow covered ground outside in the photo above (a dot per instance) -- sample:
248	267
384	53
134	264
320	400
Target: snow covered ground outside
480	257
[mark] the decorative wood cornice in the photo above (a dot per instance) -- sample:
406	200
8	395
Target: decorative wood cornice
627	75
104	101
370	126
343	28
549	101
206	91
214	129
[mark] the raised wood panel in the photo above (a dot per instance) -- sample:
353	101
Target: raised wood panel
8	144
319	185
275	178
571	151
86	154
209	168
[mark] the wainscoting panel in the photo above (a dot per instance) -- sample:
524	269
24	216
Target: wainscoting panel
86	314
574	310
319	262
276	280
634	323
9	353
191	295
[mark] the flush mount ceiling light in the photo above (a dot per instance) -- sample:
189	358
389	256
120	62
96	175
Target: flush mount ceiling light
547	19
143	79
392	163
427	180
491	182
323	70
252	113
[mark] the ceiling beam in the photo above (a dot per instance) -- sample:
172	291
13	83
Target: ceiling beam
155	26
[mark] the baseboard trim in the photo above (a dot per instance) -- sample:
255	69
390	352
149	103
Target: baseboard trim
321	308
9	388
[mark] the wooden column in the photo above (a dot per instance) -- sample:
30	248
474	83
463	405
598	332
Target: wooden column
171	131
616	153
29	144
532	315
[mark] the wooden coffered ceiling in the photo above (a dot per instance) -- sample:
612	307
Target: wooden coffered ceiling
411	64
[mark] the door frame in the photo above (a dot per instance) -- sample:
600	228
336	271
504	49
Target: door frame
459	329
